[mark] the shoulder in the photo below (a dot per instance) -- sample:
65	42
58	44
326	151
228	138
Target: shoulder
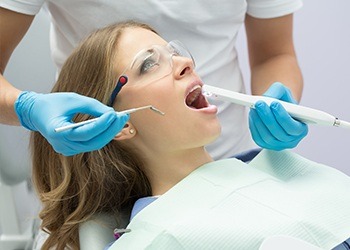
29	7
271	9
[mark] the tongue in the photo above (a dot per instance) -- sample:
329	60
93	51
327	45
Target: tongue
191	98
196	100
200	102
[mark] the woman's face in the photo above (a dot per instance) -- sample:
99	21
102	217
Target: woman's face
189	120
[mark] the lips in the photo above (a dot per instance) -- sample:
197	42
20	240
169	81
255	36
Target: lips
195	98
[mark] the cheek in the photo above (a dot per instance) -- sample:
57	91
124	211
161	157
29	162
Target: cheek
177	129
157	95
199	126
189	130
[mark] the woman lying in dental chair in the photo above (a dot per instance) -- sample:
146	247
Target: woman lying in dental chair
157	166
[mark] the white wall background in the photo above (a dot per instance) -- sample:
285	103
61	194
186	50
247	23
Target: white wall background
322	37
322	40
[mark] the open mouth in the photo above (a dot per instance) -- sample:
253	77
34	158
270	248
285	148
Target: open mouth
195	98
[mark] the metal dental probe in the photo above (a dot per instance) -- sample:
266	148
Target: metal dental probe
128	111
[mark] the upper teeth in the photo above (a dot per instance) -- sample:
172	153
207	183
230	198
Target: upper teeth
194	97
195	87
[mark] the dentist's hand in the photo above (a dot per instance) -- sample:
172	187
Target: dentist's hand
45	112
272	127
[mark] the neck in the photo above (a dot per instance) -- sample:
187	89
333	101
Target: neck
166	170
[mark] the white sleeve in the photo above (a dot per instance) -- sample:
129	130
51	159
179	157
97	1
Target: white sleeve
272	8
29	7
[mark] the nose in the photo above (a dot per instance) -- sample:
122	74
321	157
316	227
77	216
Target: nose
182	66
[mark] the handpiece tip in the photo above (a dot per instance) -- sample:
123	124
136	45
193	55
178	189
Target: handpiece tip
207	93
344	124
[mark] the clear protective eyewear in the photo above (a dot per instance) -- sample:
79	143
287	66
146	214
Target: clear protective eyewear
151	64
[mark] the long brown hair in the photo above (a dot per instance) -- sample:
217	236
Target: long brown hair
109	180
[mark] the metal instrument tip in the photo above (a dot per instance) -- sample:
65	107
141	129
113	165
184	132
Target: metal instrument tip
157	110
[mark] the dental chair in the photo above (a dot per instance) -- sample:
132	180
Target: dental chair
19	206
18	203
98	232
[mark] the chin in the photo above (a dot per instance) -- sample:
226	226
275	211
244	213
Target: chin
214	137
213	133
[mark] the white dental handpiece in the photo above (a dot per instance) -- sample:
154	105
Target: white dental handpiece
301	113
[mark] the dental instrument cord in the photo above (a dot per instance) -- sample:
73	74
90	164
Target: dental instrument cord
343	124
129	111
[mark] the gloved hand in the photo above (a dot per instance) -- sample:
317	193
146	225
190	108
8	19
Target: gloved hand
45	112
272	127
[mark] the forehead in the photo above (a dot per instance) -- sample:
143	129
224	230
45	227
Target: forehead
134	40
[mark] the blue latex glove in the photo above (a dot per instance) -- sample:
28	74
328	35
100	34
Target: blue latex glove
45	112
272	127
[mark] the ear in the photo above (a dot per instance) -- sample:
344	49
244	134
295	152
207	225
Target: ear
126	133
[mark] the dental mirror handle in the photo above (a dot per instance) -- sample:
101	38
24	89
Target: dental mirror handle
128	111
301	113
